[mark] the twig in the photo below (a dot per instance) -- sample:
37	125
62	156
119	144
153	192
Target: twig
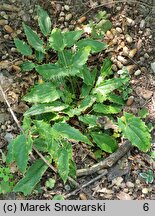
108	162
117	1
86	184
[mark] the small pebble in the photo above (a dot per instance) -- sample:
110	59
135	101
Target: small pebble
125	51
3	22
118	29
68	17
132	53
8	137
130	101
114	68
119	64
8	29
109	35
16	68
62	14
128	38
61	19
137	72
82	196
122	60
130	21
145	191
146	56
130	184
13	49
66	7
82	19
142	24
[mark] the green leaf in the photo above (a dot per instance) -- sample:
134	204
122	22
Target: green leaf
66	131
27	66
31	178
95	46
58	197
71	37
81	57
135	130
86	103
41	144
50	183
107	25
45	108
19	150
63	164
51	71
85	90
56	40
26	123
104	142
89	120
115	99
103	88
42	93
107	109
44	21
72	169
106	68
87	76
10	154
39	56
23	47
33	39
143	113
22	148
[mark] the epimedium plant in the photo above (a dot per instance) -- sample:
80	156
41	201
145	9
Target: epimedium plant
71	104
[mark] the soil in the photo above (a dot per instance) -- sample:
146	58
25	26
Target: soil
135	23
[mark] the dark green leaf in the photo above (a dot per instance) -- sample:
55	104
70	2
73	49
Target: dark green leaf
56	40
95	46
27	66
71	37
104	142
89	119
66	131
51	71
63	165
106	68
143	113
107	109
22	147
23	47
81	57
115	99
134	129
44	21
45	108
33	39
39	56
31	178
42	93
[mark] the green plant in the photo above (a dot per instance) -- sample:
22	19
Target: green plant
148	176
72	104
6	180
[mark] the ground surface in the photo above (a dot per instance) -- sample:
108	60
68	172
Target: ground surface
134	19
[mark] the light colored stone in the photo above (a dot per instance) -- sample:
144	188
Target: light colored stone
66	7
68	17
153	67
130	101
130	184
145	191
128	38
137	72
142	24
